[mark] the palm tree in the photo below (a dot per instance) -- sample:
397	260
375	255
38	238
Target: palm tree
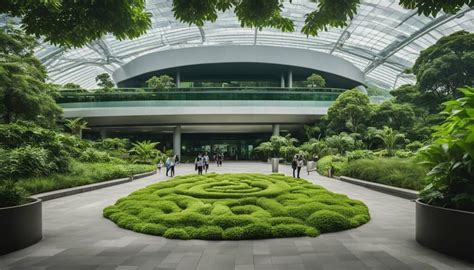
144	152
390	137
76	126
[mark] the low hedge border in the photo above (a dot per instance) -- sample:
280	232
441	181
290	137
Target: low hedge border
395	191
81	189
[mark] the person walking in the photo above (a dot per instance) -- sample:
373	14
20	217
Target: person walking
159	166
206	161
168	165
294	165
299	164
199	163
172	165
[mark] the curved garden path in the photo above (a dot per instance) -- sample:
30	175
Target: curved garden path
76	236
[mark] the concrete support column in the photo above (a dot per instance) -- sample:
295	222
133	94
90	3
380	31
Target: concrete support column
178	79
290	79
177	141
282	80
276	130
103	134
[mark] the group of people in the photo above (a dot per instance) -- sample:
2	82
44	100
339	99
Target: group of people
170	164
296	164
201	163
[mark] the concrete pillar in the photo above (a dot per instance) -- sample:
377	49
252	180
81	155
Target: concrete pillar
178	79
290	79
282	80
103	134
177	141
276	130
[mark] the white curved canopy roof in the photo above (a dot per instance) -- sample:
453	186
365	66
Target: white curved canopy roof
382	40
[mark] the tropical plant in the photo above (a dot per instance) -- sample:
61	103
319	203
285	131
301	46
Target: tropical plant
144	152
315	147
76	125
160	83
312	131
341	143
93	155
71	86
24	93
273	148
450	157
390	139
111	144
11	194
315	81
24	161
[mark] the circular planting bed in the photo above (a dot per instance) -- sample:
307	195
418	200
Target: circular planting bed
236	206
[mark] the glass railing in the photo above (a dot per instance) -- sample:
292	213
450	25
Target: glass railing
197	94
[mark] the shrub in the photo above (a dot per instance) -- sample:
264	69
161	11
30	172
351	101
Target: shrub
335	161
404	173
92	155
234	207
328	221
24	161
11	194
234	233
292	230
209	233
176	233
359	154
23	135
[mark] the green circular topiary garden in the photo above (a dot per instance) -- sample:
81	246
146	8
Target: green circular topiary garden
236	206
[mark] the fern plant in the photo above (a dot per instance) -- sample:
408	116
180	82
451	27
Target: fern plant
144	152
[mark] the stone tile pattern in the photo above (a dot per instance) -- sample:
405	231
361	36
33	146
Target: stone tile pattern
76	236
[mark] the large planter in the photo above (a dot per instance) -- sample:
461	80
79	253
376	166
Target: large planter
446	230
20	226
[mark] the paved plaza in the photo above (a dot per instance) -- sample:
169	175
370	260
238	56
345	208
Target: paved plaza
76	236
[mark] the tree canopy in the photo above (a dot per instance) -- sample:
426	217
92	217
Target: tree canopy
24	93
447	65
75	23
350	112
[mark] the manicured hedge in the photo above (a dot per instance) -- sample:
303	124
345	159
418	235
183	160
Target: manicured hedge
337	162
235	207
404	173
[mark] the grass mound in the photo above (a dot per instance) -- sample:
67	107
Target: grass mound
235	207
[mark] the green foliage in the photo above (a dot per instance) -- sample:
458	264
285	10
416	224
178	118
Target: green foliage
404	173
433	7
373	90
390	139
450	157
24	93
350	112
446	65
24	161
11	194
393	115
233	207
278	146
328	221
75	24
315	81
76	125
103	80
337	163
144	152
32	139
160	83
71	86
359	154
81	174
341	143
93	155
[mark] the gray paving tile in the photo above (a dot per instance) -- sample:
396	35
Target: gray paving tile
78	237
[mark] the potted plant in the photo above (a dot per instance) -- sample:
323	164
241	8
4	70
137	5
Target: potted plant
276	147
445	210
20	218
20	215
